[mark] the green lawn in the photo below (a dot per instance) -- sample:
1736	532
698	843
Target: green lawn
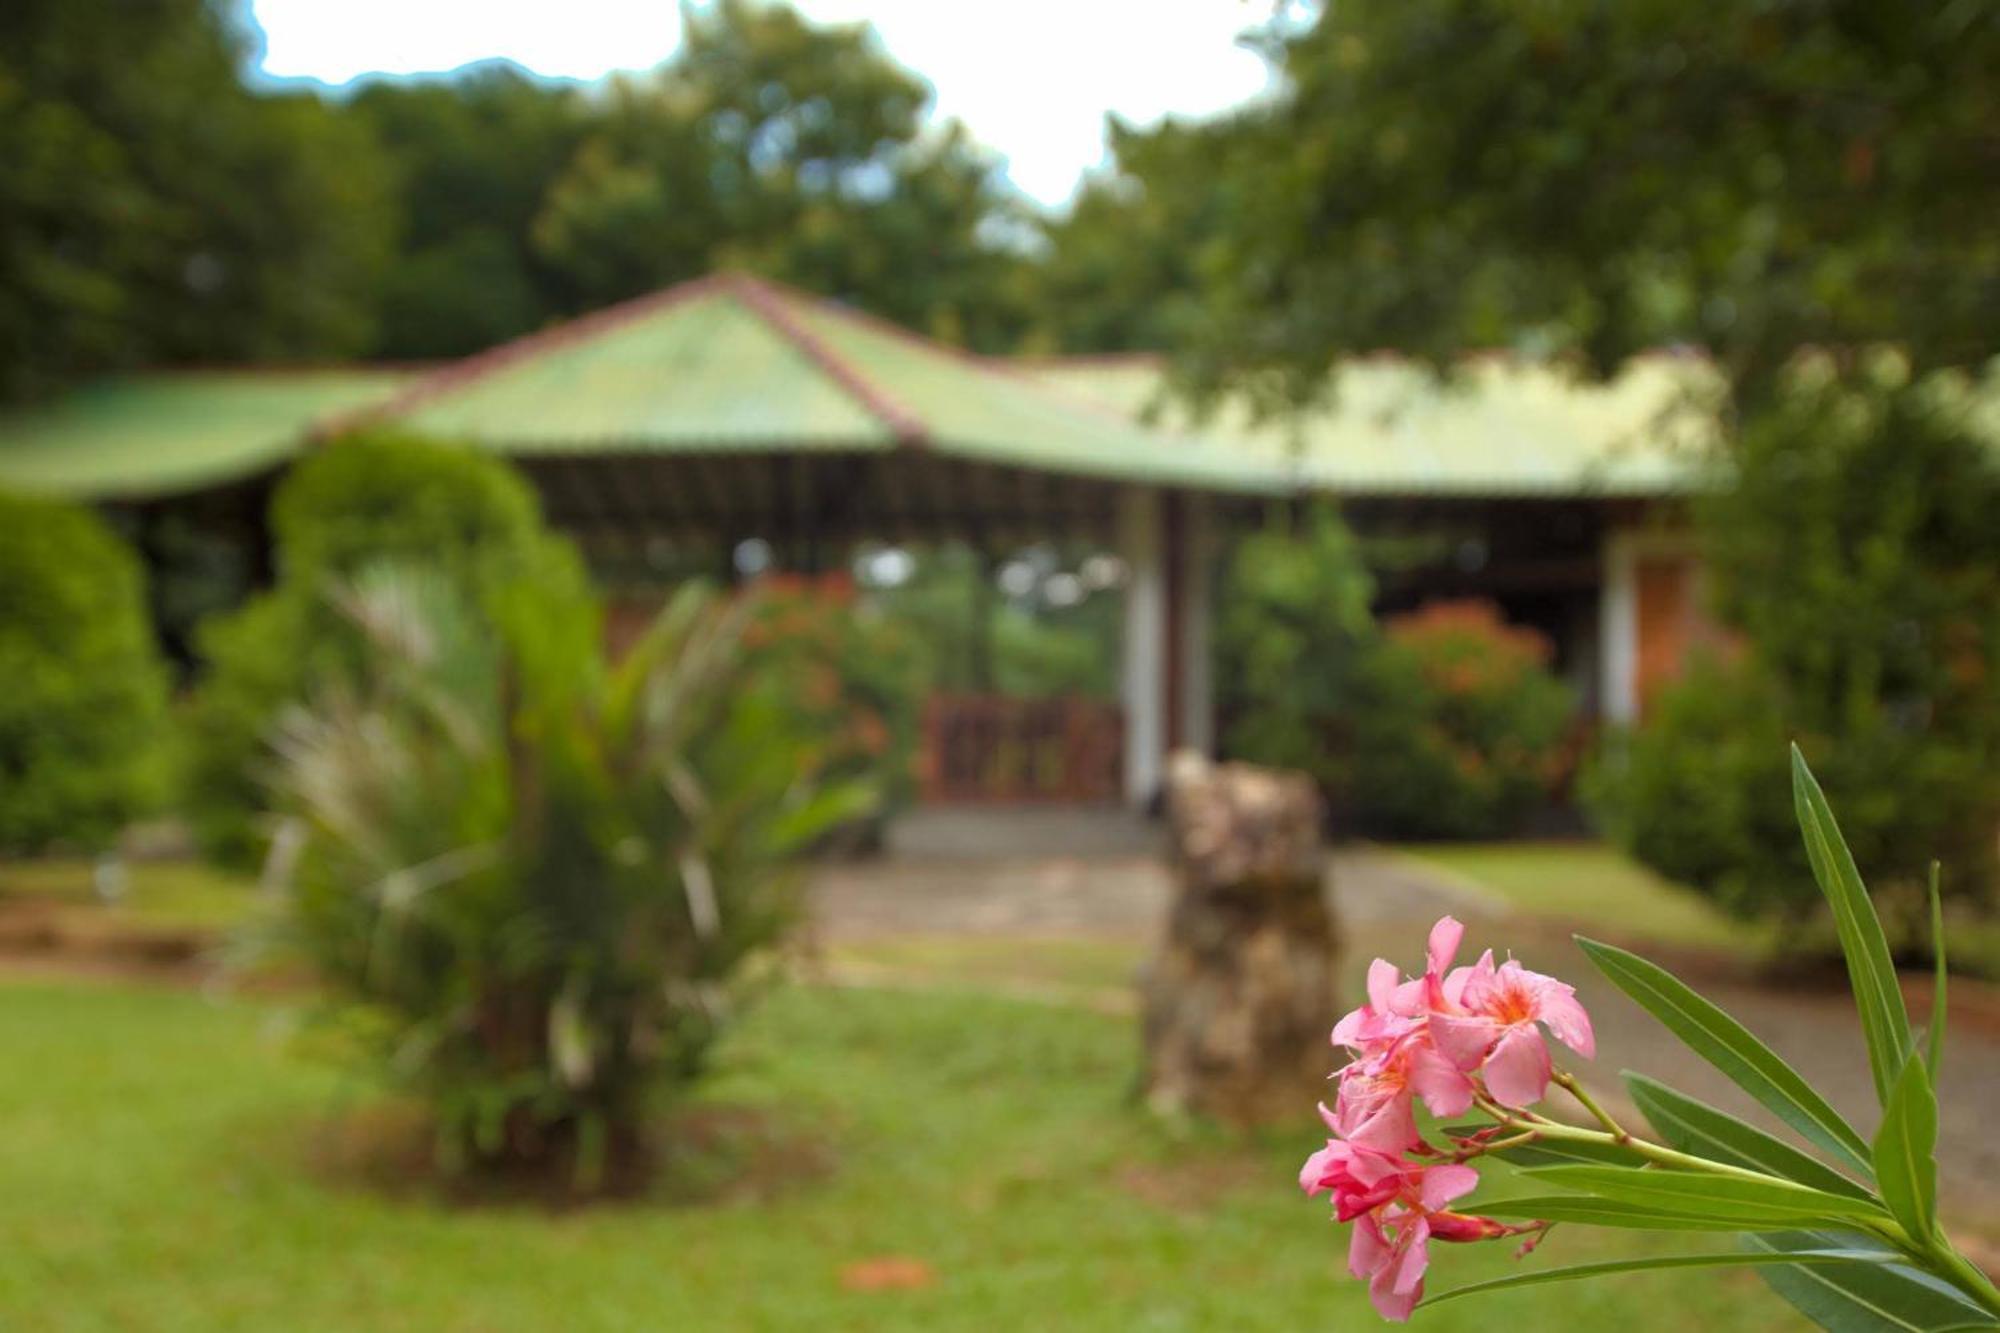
1589	883
158	1173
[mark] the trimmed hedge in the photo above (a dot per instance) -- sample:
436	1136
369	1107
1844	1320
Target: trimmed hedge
351	506
83	708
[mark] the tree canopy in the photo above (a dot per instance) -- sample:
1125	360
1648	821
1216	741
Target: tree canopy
1594	179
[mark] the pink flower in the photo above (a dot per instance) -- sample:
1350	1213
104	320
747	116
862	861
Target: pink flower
1483	1018
1394	1057
1373	1104
1390	1248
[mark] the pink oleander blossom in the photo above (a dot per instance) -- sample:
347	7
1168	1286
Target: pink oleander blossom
1428	1038
1398	1207
1395	1058
1484	1019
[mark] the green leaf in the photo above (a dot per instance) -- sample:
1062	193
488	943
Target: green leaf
1938	1009
1731	1048
1884	1021
1905	1147
1727	1259
1603	1213
1556	1152
1696	1127
1864	1297
1751	1203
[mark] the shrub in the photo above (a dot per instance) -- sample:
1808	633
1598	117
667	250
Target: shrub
531	877
855	676
1294	629
1462	728
1855	552
1699	792
350	505
85	688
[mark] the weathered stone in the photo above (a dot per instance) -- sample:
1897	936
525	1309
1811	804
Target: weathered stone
1240	998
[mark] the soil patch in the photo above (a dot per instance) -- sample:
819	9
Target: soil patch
699	1156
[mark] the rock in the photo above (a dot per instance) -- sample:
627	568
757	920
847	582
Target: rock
1241	996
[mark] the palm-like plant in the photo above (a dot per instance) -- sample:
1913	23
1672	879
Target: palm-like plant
531	877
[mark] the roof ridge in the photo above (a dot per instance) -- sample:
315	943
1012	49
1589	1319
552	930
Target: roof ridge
767	301
1007	368
454	374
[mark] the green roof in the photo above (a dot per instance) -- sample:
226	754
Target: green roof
1500	428
139	436
732	364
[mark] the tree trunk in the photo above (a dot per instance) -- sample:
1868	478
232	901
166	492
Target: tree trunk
1241	996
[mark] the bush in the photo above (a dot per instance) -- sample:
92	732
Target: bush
1856	553
85	688
346	507
855	677
1701	792
531	878
1294	630
1462	730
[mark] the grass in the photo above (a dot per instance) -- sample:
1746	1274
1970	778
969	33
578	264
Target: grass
1592	884
163	894
159	1174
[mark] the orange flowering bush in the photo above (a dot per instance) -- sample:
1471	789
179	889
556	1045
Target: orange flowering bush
1464	728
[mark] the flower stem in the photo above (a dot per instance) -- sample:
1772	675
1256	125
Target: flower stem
1568	1083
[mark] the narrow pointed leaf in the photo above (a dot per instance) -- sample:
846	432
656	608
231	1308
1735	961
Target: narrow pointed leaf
1905	1164
1884	1296
1696	1127
1731	1048
1595	1212
1751	1202
1938	986
1726	1259
1885	1023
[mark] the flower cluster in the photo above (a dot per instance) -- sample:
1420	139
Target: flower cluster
1452	1038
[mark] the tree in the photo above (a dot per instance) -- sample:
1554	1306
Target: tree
1597	179
794	150
153	210
1586	180
473	156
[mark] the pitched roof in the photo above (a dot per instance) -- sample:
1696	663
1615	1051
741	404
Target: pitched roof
1501	428
139	436
733	364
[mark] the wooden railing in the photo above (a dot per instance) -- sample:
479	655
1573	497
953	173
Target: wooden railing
990	748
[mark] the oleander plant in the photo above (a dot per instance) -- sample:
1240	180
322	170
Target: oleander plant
1844	1228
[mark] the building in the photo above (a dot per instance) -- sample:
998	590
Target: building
671	428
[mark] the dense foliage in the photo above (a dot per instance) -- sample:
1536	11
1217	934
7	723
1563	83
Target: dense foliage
530	877
1445	722
1857	555
1603	178
1294	629
85	690
1463	728
344	508
156	210
853	675
153	210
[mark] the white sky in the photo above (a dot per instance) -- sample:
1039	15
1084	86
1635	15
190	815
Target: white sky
1033	79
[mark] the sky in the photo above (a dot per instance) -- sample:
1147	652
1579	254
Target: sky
1036	99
